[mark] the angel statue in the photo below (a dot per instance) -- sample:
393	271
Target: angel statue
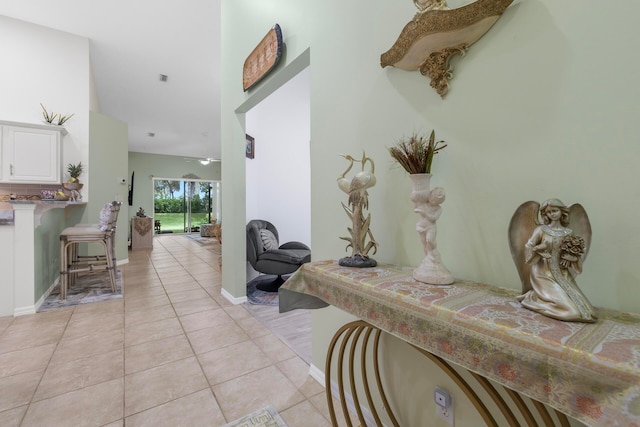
548	256
356	188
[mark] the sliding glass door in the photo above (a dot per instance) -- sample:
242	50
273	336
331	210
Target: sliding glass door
181	206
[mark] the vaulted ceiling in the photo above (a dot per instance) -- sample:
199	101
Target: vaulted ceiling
133	43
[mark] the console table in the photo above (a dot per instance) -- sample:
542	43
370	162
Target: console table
141	233
590	372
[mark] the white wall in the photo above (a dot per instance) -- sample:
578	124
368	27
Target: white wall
42	65
278	178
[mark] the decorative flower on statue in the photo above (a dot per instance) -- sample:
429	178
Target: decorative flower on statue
571	251
356	188
416	155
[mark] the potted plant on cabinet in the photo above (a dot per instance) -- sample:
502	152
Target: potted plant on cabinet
73	184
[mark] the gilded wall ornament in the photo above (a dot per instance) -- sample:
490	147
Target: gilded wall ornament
436	33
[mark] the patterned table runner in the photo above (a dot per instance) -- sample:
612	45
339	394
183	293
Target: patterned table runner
588	371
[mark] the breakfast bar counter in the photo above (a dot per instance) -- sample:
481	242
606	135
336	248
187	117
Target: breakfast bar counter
23	263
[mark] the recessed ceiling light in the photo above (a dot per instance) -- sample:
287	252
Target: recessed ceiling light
163	77
151	134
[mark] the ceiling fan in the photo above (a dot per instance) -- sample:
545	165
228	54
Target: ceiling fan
203	161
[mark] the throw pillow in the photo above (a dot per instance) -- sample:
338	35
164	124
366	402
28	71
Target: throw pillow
105	217
269	240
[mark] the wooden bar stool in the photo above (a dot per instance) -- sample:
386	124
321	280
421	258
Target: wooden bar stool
102	233
104	219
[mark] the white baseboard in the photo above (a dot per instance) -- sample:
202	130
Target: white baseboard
32	309
21	311
45	295
318	375
233	299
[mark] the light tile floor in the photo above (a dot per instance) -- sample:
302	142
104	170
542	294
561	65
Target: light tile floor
172	352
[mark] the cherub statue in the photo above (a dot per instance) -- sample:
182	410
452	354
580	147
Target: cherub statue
427	204
356	188
548	254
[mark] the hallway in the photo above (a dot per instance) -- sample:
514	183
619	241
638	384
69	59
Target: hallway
172	352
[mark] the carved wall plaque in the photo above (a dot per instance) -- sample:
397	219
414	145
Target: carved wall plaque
263	58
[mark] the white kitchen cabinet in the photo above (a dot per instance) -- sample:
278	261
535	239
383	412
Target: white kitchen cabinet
31	153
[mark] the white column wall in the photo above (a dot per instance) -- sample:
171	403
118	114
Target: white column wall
278	178
6	267
24	259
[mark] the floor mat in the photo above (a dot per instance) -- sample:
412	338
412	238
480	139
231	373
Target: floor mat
265	417
88	288
256	296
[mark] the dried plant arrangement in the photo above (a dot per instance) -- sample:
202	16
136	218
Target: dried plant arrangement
51	117
62	119
415	154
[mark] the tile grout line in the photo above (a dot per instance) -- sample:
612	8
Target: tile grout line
150	267
252	340
44	371
124	344
195	355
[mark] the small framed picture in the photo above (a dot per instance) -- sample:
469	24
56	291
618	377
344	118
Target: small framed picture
251	146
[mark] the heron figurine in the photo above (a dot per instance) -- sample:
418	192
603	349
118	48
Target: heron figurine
356	188
343	182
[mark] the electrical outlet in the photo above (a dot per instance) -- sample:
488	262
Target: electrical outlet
444	404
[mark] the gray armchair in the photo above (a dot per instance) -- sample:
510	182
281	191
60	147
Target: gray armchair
266	255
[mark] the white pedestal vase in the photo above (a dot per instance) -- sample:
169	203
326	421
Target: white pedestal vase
426	203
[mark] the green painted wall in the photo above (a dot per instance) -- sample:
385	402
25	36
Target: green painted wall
534	111
108	160
47	250
147	166
47	245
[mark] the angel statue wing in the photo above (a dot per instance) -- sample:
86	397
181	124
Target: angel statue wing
521	227
580	225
